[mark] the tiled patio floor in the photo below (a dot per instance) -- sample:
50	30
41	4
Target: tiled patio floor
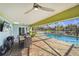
50	47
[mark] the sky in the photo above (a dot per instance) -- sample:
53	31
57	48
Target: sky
63	23
66	22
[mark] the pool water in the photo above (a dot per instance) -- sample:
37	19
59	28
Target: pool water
68	39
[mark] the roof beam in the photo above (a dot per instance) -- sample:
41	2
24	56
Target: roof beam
69	13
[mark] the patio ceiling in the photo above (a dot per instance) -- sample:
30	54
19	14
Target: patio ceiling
15	11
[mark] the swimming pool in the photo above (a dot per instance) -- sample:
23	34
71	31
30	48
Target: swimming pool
68	39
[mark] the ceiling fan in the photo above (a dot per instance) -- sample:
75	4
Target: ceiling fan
37	6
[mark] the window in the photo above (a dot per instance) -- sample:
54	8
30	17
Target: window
1	25
6	27
21	31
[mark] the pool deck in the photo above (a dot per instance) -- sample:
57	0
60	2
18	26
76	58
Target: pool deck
44	46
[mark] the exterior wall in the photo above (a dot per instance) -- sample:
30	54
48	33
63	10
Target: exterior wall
4	33
3	36
16	31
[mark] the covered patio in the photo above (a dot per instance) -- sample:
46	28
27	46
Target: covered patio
42	45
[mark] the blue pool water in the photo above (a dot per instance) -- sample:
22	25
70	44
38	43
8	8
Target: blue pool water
68	39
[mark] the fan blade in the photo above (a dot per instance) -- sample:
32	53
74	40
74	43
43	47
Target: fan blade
46	9
35	4
29	11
